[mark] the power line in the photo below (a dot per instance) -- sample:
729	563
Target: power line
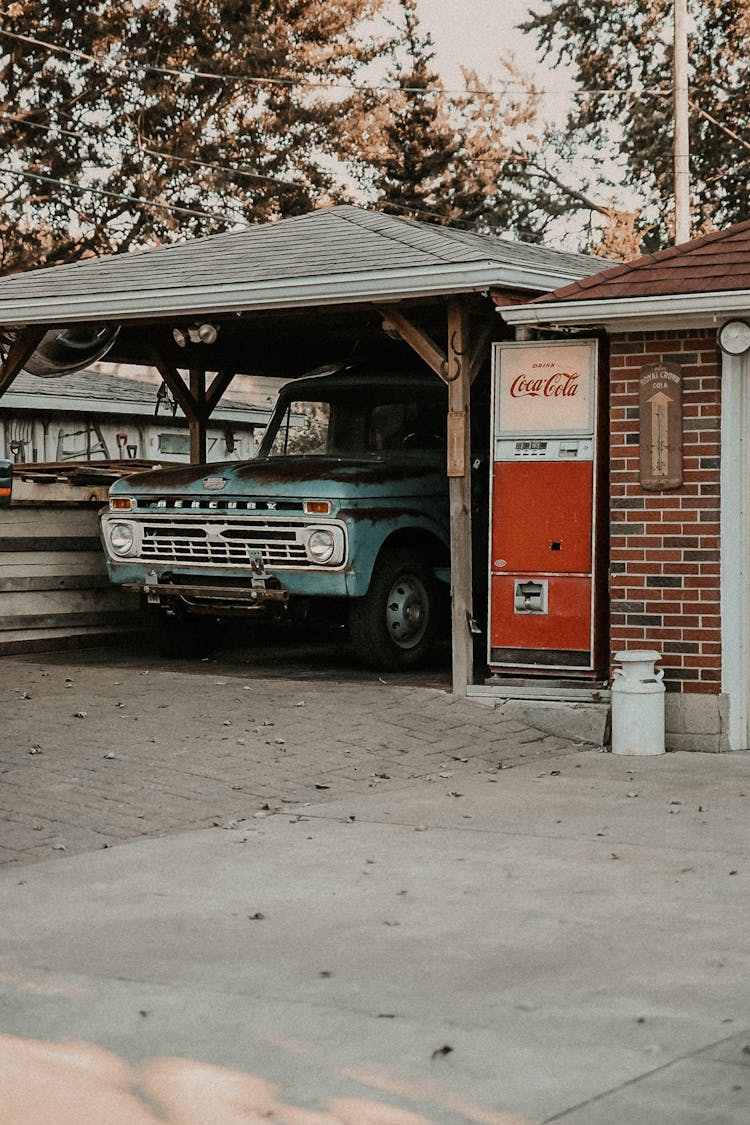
724	128
290	83
246	172
138	200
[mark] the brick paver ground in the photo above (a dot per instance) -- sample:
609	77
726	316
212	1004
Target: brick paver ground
97	750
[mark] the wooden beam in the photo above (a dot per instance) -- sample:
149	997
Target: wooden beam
416	338
219	384
176	384
198	448
24	346
459	426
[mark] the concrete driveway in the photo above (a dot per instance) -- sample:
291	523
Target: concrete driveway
564	938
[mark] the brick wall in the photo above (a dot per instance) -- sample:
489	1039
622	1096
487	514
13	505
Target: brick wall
664	547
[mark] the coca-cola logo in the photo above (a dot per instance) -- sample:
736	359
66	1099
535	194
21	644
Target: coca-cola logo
560	384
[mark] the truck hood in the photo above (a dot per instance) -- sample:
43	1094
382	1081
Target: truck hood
308	477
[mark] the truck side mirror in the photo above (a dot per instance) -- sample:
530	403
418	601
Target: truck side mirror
6	483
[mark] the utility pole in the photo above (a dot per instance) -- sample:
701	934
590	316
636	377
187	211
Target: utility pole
681	127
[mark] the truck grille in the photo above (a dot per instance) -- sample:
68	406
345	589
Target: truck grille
224	545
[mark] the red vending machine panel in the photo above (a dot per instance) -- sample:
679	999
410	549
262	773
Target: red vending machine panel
543	534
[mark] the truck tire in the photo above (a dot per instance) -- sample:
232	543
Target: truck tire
393	626
184	637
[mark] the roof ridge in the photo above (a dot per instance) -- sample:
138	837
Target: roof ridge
360	211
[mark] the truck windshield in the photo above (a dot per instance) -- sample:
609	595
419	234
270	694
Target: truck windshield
348	427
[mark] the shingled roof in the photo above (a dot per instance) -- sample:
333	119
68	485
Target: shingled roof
700	281
99	392
714	263
333	255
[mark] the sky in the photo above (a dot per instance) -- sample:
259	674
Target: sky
479	34
476	33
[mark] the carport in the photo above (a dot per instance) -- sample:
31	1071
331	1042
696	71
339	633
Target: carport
282	298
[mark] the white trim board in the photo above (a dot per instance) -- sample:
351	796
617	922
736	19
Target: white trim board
735	545
626	314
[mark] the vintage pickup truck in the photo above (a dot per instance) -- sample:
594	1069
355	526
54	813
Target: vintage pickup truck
345	508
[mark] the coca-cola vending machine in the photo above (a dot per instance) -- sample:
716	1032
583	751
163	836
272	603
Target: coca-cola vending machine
544	562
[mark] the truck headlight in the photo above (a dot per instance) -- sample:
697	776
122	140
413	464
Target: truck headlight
321	545
122	538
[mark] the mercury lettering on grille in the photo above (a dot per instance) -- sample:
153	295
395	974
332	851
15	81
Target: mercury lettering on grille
224	545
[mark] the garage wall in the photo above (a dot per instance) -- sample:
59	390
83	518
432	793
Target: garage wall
664	546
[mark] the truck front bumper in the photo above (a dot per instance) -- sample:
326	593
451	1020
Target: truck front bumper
216	600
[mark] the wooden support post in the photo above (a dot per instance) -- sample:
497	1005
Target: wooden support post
194	400
458	368
24	345
198	448
459	471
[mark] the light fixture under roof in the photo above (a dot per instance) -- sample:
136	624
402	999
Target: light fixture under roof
195	334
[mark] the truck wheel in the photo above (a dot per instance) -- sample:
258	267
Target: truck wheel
184	637
393	625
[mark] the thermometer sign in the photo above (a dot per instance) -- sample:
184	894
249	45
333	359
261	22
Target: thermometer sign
660	386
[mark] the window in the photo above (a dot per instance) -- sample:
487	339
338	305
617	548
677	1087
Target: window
303	429
174	443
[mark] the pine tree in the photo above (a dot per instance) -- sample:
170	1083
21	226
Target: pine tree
439	155
213	106
410	161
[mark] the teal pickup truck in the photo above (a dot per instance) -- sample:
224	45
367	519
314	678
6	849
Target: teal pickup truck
345	508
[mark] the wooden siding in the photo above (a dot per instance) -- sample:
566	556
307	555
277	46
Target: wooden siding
54	589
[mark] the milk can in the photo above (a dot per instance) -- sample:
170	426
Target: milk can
637	704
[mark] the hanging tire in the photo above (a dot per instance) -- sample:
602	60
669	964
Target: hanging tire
184	637
393	626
